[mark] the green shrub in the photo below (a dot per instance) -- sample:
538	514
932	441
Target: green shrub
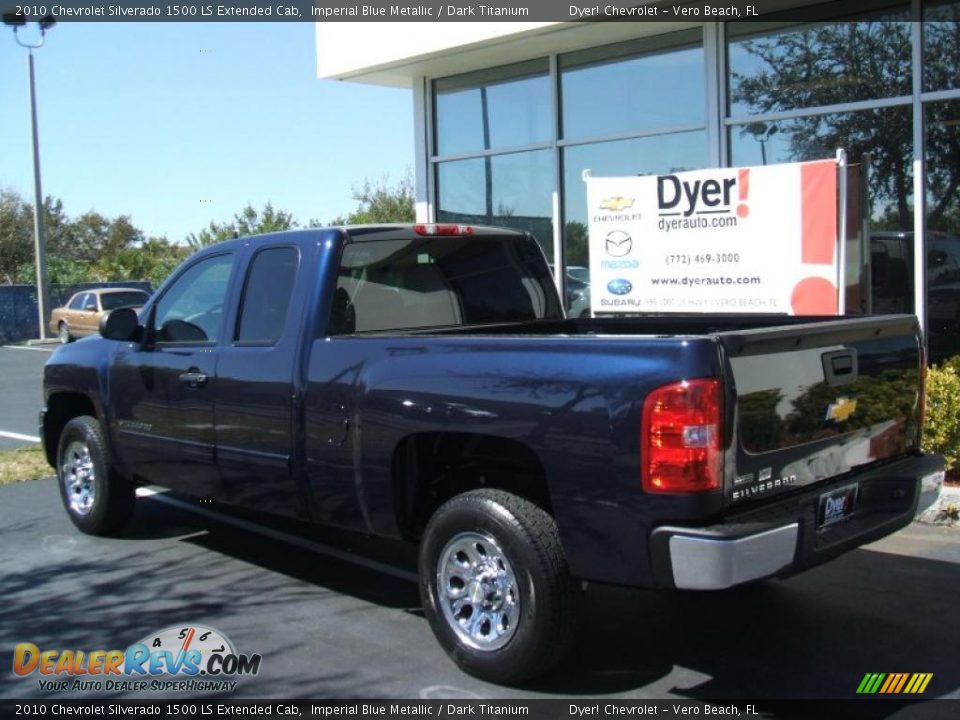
941	432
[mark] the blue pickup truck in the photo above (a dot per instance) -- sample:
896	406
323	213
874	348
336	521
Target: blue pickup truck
422	383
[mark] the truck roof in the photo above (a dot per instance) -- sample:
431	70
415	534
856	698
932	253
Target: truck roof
358	233
403	231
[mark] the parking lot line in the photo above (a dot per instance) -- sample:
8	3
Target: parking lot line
18	436
30	347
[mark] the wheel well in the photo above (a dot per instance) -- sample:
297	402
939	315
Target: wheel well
431	468
61	409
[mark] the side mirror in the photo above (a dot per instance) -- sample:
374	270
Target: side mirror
120	324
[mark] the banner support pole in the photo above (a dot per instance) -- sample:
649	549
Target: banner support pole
842	232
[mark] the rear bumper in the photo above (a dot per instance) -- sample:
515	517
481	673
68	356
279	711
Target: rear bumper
782	538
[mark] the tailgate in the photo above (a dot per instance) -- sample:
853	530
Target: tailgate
818	400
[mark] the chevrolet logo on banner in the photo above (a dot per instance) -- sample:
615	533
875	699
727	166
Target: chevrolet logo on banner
894	683
841	410
617	203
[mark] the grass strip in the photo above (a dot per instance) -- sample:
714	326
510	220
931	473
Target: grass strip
26	463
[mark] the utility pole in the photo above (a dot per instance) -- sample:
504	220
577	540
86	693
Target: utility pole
39	239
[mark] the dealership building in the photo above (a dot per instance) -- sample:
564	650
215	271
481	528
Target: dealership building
509	116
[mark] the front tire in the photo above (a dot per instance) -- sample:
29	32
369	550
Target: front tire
97	499
495	586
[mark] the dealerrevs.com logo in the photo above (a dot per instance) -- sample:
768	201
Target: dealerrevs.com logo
179	658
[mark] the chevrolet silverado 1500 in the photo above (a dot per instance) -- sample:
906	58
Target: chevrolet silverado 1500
422	383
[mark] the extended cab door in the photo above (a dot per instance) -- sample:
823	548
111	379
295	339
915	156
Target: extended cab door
163	389
255	391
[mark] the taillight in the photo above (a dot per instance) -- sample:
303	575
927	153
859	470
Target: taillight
445	229
681	437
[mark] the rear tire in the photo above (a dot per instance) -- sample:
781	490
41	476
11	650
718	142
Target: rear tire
97	499
495	586
63	333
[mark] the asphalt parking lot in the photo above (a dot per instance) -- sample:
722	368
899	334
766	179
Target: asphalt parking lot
21	380
328	628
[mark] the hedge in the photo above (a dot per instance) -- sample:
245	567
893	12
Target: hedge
941	432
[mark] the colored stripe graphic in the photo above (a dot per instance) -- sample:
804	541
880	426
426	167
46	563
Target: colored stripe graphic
899	687
891	680
894	683
870	683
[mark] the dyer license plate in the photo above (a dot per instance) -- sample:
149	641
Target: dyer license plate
836	506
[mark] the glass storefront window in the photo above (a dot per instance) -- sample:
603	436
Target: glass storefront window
884	134
942	164
817	65
603	93
493	109
941	46
513	190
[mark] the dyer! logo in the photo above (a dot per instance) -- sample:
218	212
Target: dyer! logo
714	196
178	651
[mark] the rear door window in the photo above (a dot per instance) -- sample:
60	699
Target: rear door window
266	296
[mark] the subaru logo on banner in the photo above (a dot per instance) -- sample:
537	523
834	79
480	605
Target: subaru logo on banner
620	286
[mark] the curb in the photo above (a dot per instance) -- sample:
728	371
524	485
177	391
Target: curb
936	514
45	341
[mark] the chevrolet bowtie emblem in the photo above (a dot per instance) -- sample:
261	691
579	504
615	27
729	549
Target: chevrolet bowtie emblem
841	410
617	203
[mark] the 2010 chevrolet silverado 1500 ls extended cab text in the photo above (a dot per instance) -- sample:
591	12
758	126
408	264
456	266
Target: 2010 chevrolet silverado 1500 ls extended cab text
421	383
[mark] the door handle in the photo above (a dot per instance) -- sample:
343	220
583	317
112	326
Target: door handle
193	378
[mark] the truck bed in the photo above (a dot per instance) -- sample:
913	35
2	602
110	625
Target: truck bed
659	325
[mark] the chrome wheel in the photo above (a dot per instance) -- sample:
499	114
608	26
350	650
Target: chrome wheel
78	477
478	591
63	332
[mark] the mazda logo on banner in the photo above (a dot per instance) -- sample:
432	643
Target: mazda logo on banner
619	244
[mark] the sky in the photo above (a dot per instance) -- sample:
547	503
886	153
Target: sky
180	124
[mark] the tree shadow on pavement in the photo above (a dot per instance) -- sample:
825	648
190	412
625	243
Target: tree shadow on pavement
812	636
93	594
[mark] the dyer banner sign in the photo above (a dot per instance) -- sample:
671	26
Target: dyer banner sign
757	239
